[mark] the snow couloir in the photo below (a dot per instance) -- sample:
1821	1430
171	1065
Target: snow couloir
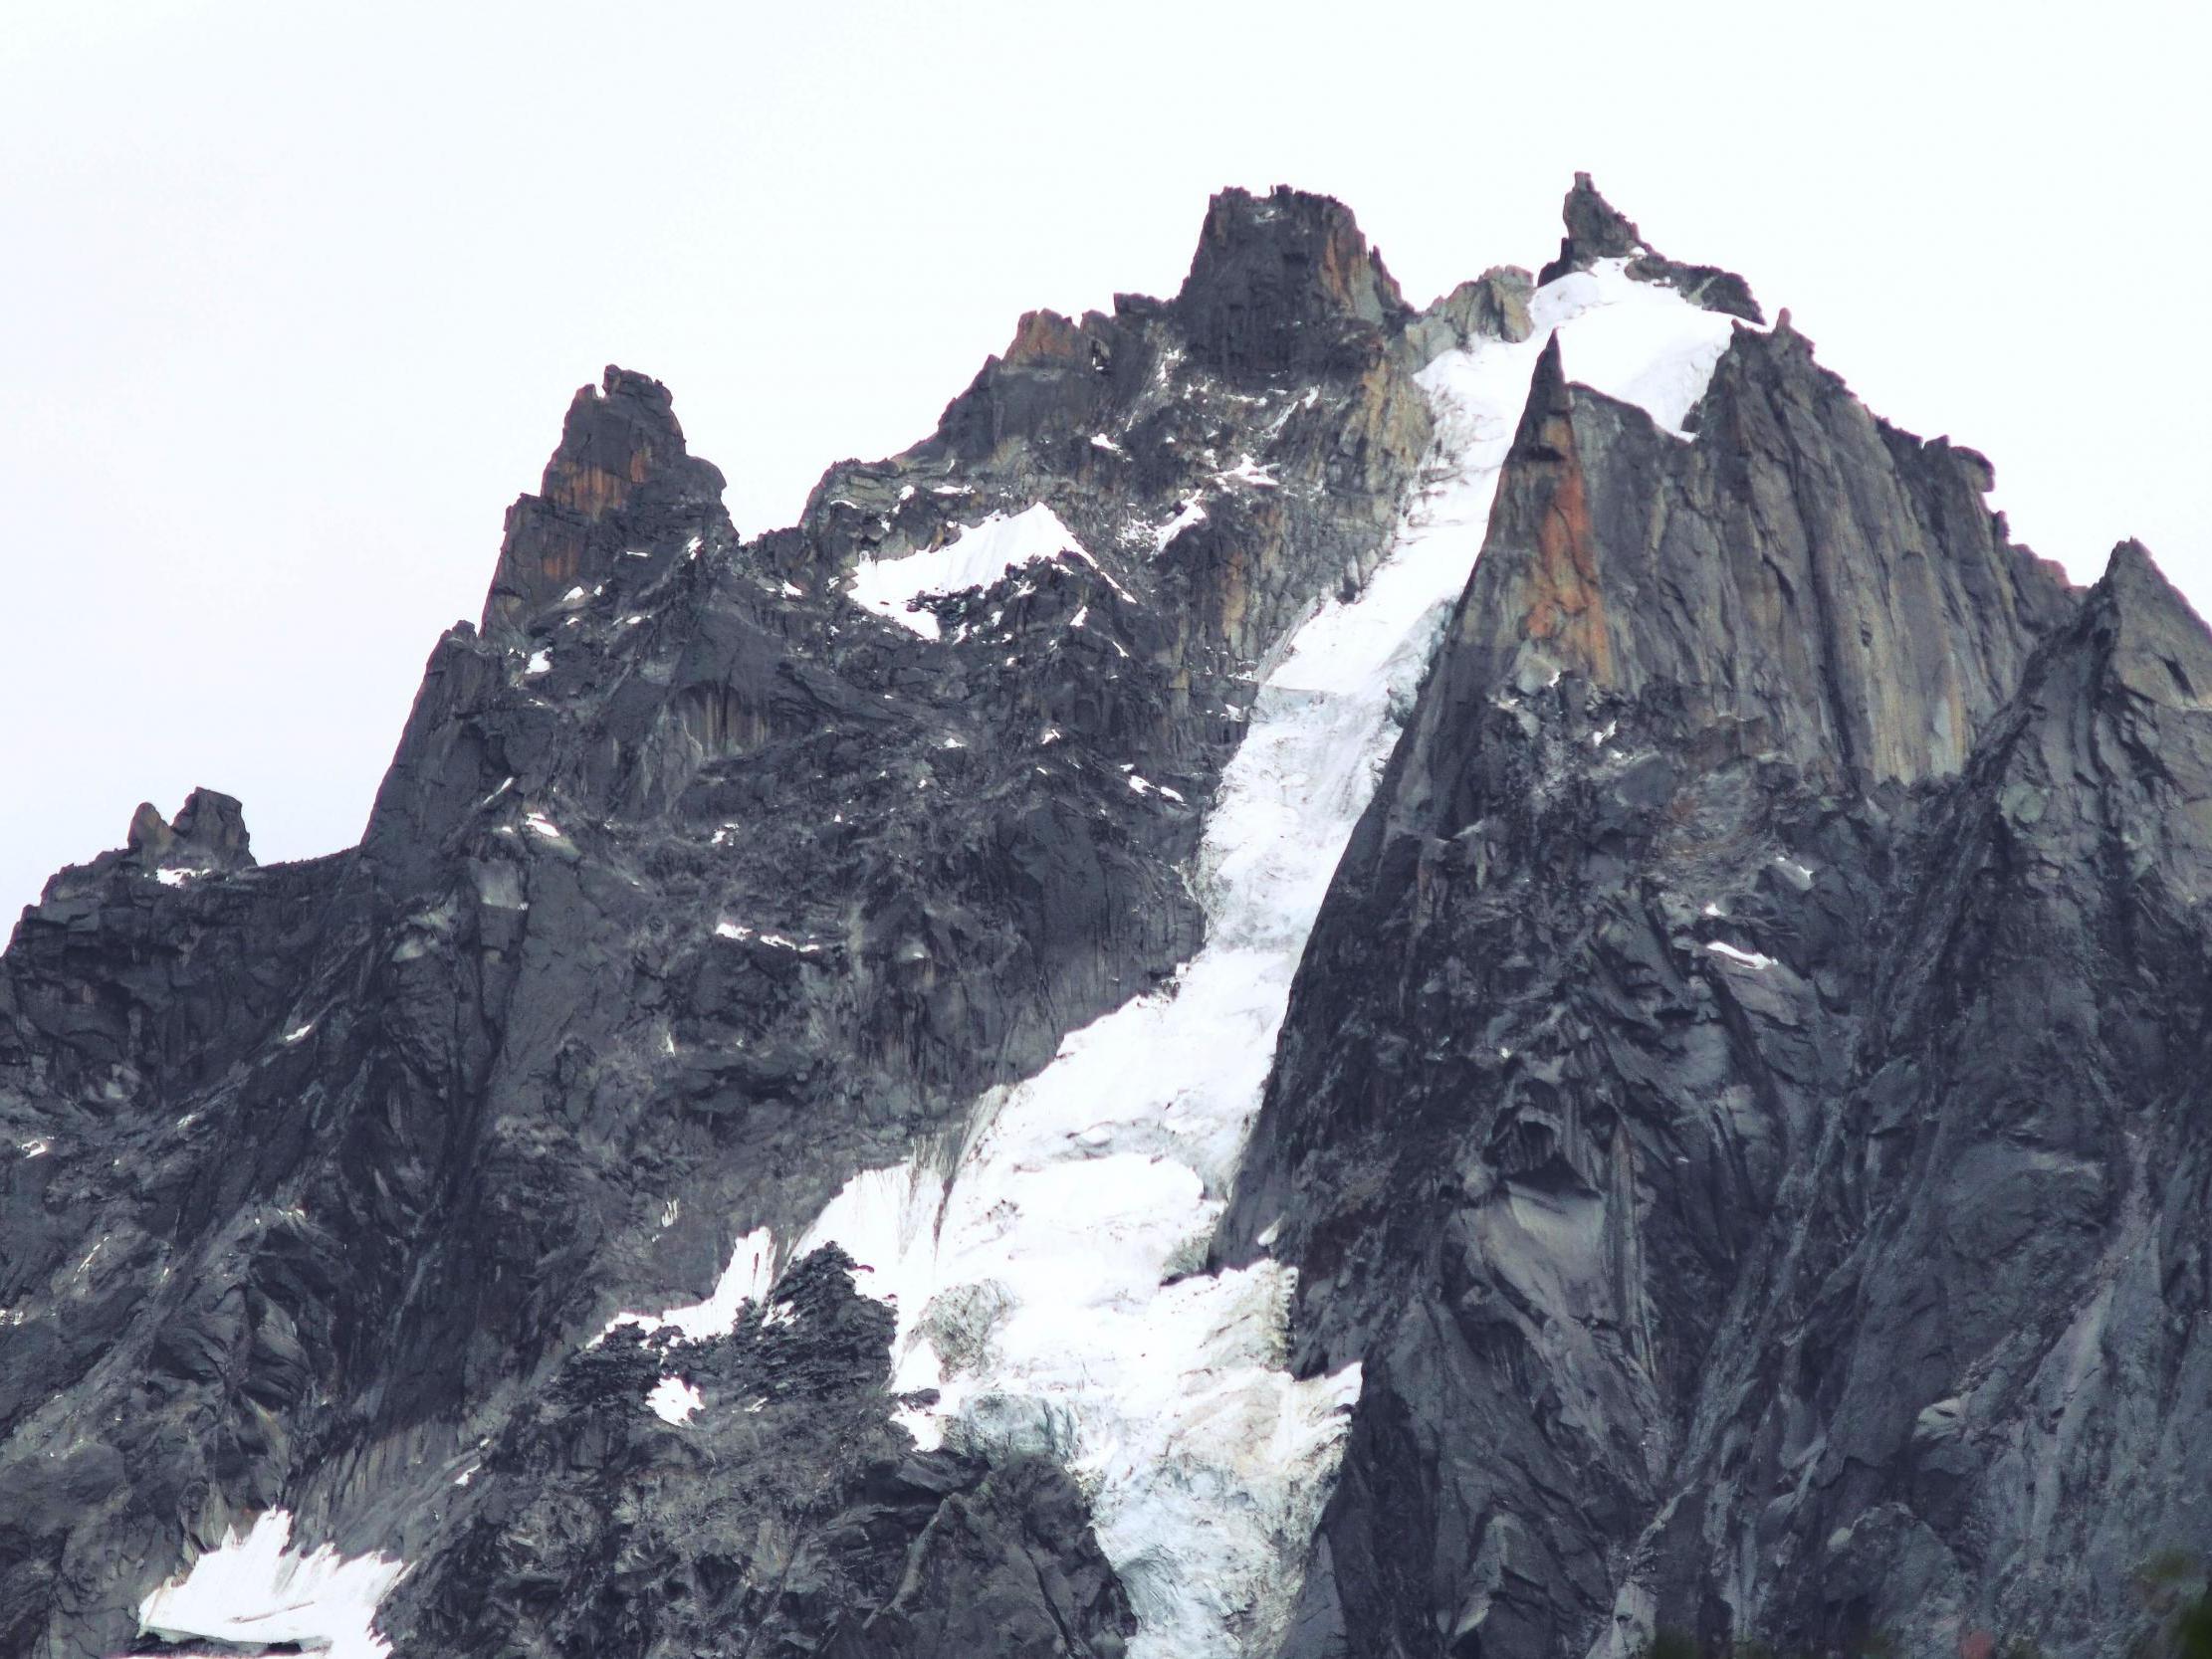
1045	1280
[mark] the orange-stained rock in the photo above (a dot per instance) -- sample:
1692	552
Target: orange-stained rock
621	455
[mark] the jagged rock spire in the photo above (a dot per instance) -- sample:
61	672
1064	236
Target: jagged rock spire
1278	278
1598	230
2161	650
208	833
621	481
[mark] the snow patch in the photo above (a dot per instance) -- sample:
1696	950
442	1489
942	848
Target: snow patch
1191	513
977	556
541	662
746	1278
253	1591
1729	953
1248	471
1636	341
673	1400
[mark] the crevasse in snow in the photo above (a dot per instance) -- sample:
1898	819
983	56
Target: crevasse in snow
252	1592
1038	1280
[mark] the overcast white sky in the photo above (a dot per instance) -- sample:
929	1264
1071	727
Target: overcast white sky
292	296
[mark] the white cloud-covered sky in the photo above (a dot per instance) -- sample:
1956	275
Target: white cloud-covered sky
293	294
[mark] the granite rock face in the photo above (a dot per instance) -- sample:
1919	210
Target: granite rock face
1738	1109
829	1532
1739	1100
621	489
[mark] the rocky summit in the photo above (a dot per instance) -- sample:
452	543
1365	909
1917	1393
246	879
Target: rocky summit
1329	982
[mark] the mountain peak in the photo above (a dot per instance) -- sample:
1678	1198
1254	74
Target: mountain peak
1278	280
620	475
207	833
1597	230
2161	650
1579	867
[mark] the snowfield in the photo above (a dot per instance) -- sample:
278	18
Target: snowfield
253	1591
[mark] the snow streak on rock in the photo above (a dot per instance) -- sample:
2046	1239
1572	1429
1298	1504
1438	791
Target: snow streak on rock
748	1278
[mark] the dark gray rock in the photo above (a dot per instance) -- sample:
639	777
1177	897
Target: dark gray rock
1597	230
1280	282
1738	1087
785	1516
692	891
620	498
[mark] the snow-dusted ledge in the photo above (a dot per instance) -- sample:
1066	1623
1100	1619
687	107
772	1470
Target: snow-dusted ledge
974	557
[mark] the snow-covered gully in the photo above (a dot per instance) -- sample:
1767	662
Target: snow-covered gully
1045	1282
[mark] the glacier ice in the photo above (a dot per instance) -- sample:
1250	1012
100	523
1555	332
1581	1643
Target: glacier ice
1046	1276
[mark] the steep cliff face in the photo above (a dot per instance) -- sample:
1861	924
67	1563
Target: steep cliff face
1729	1098
777	1142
